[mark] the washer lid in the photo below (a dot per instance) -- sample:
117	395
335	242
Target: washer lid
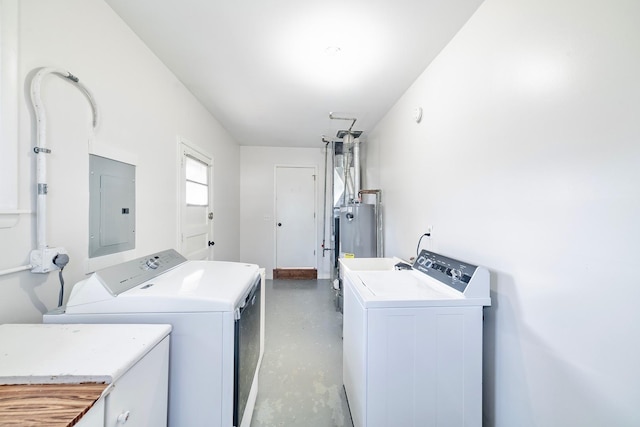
405	285
404	289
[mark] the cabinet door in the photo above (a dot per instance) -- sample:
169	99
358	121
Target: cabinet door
139	397
95	416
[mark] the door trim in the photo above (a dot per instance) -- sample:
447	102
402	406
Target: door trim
183	143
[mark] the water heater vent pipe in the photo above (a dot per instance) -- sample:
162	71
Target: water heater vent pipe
351	147
356	167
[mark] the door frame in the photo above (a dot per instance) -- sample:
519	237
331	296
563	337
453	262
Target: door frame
183	144
275	213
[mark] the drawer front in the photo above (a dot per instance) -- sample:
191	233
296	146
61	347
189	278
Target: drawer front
139	397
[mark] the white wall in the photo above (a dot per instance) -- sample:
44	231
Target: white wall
257	189
528	161
144	108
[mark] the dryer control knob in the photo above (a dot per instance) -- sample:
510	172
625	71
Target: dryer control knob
153	263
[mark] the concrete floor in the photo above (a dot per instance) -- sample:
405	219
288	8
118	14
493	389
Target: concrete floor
300	382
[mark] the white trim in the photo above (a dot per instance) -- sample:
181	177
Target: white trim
186	147
9	212
192	146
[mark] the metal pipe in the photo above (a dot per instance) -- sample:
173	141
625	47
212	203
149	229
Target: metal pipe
332	117
334	241
349	195
324	211
356	167
347	150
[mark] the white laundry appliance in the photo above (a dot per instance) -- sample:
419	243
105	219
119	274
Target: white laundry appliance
413	341
216	311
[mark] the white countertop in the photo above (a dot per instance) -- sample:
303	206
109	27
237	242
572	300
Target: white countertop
76	353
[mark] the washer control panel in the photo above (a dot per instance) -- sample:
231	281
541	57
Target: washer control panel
122	277
449	271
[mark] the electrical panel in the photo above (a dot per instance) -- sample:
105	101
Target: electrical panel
111	206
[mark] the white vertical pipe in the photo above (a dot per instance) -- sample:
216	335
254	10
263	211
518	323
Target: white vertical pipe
41	161
347	150
41	145
356	168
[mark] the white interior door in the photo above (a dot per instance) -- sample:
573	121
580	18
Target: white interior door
295	217
196	204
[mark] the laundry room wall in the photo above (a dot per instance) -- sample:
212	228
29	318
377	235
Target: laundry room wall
527	161
257	206
143	107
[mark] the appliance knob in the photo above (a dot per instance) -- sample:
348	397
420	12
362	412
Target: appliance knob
153	263
123	417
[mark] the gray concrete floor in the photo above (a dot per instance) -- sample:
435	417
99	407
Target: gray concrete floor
300	382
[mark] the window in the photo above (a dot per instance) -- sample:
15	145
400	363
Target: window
197	188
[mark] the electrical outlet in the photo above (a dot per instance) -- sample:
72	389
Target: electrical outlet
42	259
429	231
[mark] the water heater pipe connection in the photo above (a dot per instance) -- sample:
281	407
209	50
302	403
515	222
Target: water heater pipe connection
333	117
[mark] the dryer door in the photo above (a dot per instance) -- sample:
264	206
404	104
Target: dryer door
247	350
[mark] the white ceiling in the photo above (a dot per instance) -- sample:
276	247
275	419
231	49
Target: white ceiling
261	67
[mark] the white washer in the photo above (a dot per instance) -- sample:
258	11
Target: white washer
215	309
413	341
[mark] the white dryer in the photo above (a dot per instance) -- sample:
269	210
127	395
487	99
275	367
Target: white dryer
413	341
215	309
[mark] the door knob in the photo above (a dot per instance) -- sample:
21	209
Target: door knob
279	224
